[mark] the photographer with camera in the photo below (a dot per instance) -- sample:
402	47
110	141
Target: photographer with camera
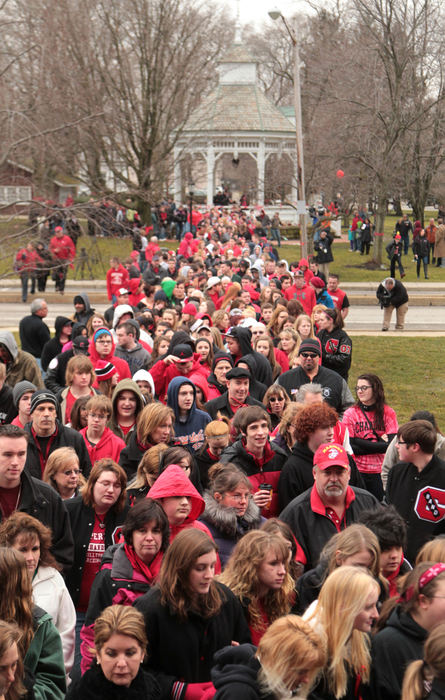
322	247
392	295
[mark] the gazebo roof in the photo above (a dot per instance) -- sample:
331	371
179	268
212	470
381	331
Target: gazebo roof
238	108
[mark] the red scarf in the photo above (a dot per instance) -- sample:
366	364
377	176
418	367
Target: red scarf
150	573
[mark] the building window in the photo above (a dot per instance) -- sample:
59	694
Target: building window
12	195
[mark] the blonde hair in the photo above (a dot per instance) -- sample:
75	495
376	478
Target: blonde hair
287	419
342	598
217	428
241	576
119	619
58	461
434	551
148	467
79	363
421	672
288	647
151	417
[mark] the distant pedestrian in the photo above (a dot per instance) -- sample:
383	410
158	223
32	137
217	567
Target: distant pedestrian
439	247
394	250
421	250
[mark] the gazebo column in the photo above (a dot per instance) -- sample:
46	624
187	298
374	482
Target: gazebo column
177	176
261	162
210	171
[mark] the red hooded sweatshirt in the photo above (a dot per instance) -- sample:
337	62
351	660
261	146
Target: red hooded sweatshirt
109	445
163	374
174	482
121	365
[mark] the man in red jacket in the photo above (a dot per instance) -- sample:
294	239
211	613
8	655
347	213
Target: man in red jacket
302	292
117	277
183	362
63	251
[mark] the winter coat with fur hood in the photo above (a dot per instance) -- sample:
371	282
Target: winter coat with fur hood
226	527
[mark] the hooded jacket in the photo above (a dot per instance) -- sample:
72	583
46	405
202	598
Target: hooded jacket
109	445
393	648
163	374
125	385
173	481
244	338
83	316
235	674
215	388
226	527
256	388
116	279
189	433
53	347
122	367
119	311
22	365
137	358
267	472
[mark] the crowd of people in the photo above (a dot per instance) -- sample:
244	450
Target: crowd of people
193	503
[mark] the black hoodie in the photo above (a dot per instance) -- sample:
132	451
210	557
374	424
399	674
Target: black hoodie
393	648
235	674
54	347
244	338
256	388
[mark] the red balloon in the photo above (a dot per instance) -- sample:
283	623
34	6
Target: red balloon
340	173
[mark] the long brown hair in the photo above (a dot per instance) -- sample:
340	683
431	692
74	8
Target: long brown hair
177	563
10	634
16	604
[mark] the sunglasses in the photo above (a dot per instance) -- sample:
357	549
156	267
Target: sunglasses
309	354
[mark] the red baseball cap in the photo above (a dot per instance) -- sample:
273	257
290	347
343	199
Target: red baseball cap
329	454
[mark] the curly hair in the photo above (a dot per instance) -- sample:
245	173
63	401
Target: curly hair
21	524
312	417
241	576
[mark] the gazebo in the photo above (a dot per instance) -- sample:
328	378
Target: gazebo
236	118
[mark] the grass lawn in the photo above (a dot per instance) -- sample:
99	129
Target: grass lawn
350	266
409	385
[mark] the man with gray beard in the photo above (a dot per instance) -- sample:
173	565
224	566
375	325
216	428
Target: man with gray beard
326	508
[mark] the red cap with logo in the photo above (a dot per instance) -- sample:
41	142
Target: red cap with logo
329	454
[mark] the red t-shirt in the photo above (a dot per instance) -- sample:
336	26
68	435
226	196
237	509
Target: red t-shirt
8	500
95	552
126	428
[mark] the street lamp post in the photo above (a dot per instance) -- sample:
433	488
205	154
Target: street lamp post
191	193
276	14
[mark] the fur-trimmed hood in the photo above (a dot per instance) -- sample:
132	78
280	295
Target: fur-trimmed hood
225	519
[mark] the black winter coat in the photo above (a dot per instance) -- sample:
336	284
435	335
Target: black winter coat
184	650
335	390
323	249
336	349
82	523
94	686
222	405
55	376
419	499
131	455
268	473
396	297
42	502
235	674
393	648
296	475
66	437
312	529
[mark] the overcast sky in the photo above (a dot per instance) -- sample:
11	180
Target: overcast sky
255	11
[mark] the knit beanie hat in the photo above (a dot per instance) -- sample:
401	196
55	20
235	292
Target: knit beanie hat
310	345
22	388
42	396
104	370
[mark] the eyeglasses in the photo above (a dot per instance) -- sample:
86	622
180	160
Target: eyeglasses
364	387
276	398
308	354
68	472
239	496
99	416
105	341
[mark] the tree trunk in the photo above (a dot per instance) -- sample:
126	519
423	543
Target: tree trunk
397	206
380	226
